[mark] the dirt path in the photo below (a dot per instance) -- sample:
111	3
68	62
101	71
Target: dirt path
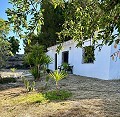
91	98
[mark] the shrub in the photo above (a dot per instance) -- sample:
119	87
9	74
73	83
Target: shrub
7	80
37	58
63	95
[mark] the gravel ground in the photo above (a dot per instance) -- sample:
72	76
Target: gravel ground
91	98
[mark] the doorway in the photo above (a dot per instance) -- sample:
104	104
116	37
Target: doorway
65	56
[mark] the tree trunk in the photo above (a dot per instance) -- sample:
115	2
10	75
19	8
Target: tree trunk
57	89
38	69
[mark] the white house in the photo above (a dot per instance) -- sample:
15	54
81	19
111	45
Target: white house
103	67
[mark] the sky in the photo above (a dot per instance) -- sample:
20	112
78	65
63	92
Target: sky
3	6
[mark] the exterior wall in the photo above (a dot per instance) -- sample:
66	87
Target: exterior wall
98	69
115	64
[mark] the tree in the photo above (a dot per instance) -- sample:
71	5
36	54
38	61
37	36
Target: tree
53	19
37	58
14	44
4	28
92	20
4	44
4	51
82	19
25	16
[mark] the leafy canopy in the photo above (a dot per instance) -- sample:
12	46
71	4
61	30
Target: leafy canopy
92	19
88	19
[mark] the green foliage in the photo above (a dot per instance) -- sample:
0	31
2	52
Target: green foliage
14	44
4	28
7	80
53	21
30	86
81	20
25	16
65	66
46	80
89	55
28	99
52	95
57	76
91	19
34	71
43	17
37	58
4	44
13	69
4	51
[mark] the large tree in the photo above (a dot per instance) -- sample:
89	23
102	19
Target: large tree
82	19
26	16
53	19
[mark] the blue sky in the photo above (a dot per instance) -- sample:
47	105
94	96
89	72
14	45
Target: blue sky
3	6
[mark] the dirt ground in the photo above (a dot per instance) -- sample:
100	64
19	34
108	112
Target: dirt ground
90	98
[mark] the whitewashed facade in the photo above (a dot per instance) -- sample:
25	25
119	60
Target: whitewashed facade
103	67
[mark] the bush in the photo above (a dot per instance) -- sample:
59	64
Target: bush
53	95
7	80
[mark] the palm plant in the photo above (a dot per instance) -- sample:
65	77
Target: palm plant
57	76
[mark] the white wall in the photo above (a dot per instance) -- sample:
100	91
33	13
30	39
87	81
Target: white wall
115	64
100	68
51	53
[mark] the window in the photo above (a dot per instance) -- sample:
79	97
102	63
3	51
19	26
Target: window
88	54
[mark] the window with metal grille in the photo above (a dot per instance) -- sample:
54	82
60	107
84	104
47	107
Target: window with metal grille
88	54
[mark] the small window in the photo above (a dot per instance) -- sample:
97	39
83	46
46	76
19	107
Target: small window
88	54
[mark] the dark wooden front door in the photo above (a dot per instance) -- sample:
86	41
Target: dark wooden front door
65	57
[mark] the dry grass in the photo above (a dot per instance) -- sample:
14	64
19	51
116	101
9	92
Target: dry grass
91	98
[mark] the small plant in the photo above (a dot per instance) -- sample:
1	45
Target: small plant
13	69
46	81
29	86
65	66
63	95
57	76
